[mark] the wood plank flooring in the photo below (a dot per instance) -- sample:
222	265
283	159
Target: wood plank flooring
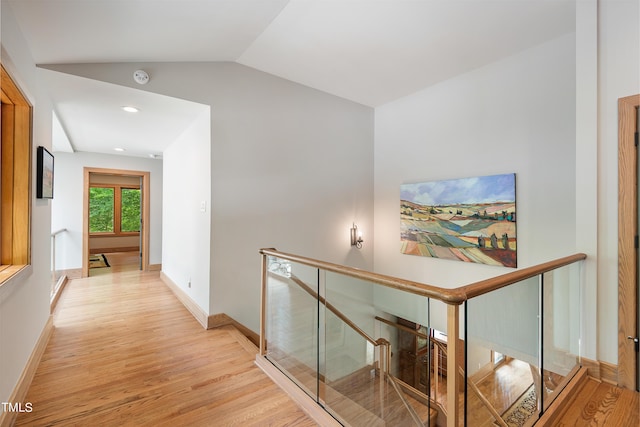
126	352
601	404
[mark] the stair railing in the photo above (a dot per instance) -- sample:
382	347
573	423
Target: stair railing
55	277
384	346
453	298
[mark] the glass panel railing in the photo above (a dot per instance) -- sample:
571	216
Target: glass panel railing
355	367
352	386
292	321
439	353
560	330
503	355
57	247
372	349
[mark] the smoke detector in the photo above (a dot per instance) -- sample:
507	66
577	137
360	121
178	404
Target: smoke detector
141	77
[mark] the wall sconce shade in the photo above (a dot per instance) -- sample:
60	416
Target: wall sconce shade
356	237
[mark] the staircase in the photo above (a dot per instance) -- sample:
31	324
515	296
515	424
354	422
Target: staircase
360	398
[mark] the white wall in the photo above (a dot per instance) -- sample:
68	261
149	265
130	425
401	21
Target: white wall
608	68
186	223
515	115
24	301
586	163
291	168
67	201
618	76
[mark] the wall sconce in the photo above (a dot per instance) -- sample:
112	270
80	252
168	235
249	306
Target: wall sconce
356	237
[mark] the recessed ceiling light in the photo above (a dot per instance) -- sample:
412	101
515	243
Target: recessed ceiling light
130	109
119	149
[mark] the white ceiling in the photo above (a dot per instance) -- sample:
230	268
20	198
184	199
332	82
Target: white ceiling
368	51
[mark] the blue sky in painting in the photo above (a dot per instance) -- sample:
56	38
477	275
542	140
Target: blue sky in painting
483	189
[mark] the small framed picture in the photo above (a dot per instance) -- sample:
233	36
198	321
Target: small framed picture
44	186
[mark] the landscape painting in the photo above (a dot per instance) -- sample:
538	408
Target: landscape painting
470	219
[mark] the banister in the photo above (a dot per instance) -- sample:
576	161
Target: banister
449	296
334	310
55	233
455	296
488	285
401	327
452	297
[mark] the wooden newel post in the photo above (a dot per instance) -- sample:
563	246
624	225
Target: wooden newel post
263	307
453	379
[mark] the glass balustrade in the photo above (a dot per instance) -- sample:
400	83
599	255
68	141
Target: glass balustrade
372	352
292	322
522	346
560	329
56	248
503	353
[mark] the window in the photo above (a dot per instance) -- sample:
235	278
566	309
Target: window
130	210
15	179
114	209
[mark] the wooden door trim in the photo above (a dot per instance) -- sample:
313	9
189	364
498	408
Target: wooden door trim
627	230
146	213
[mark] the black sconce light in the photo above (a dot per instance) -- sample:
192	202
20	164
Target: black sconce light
356	237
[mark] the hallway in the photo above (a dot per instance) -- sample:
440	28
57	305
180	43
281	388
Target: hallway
126	352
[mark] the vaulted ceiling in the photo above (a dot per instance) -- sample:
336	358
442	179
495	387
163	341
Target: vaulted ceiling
368	51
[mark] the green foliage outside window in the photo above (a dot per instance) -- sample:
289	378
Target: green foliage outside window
102	217
101	202
130	210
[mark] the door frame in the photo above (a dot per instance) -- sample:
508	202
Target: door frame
145	215
627	232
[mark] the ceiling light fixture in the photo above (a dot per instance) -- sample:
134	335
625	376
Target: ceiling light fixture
119	149
130	109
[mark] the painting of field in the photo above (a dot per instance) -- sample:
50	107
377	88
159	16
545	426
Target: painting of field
470	219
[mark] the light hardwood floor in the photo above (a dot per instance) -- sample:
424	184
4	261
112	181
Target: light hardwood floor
601	404
125	352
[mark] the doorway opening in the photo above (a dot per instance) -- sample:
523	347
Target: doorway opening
115	218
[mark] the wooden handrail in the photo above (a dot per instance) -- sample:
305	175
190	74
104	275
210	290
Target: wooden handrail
488	285
380	342
402	327
454	296
334	310
449	296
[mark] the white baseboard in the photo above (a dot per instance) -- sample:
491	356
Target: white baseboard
207	321
201	316
24	382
